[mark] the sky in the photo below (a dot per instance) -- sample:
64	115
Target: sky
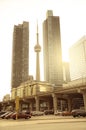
72	15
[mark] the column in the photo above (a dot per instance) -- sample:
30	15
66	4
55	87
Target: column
20	106
31	106
48	105
84	98
54	102
69	104
37	103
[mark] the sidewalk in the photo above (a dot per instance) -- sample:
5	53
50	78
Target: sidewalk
56	119
42	120
53	117
50	117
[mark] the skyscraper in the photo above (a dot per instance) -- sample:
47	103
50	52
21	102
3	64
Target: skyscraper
66	72
52	50
77	55
20	54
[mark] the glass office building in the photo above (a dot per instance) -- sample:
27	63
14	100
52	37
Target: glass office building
77	55
52	50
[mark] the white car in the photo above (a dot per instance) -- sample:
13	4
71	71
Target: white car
37	113
58	112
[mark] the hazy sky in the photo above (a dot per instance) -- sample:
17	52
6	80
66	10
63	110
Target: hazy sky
12	12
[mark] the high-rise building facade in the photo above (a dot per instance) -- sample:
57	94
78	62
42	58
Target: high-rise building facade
52	51
66	72
20	56
77	55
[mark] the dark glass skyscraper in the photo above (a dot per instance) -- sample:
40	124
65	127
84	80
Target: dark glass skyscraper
20	54
52	50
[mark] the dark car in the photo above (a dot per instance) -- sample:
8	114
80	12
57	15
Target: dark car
78	112
48	112
20	115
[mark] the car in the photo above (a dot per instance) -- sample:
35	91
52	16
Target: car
78	112
20	115
37	113
26	112
2	112
58	113
48	112
3	115
8	115
66	113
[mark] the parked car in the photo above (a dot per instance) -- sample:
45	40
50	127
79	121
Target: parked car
27	112
2	112
48	112
3	115
78	112
66	113
58	113
37	113
8	115
20	115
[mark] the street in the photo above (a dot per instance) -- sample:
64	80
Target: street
62	123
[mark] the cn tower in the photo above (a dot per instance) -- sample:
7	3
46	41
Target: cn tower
37	49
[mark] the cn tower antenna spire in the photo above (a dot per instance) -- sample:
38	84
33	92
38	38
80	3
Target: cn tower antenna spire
37	49
37	34
37	26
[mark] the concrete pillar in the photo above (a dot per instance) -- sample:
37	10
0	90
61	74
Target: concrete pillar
54	102
31	106
69	104
20	106
61	105
37	103
84	98
48	105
